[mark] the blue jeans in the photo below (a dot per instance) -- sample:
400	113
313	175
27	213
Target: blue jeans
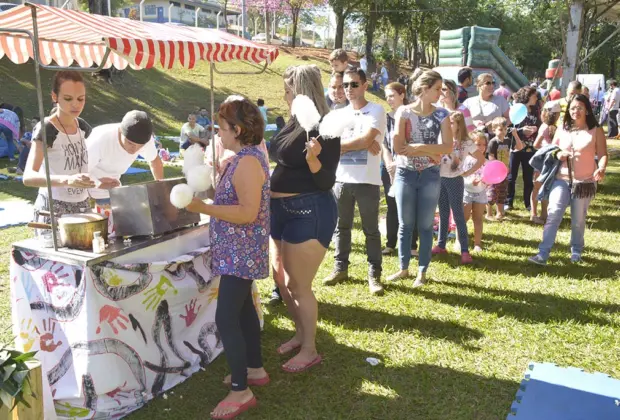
559	200
451	198
8	135
417	194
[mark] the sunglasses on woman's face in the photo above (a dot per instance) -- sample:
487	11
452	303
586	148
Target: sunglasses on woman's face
489	82
352	85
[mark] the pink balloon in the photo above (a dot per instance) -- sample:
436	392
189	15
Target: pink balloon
494	172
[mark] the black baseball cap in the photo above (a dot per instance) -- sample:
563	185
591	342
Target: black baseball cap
137	127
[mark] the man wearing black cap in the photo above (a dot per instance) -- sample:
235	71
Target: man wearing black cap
113	148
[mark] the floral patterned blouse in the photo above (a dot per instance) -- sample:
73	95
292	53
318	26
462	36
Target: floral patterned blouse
420	130
241	250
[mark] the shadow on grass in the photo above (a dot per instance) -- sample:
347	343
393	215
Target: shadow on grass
525	306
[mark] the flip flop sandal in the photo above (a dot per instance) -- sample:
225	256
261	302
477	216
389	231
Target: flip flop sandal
303	368
253	382
239	408
288	349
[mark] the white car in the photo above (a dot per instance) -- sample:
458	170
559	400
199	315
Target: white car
262	38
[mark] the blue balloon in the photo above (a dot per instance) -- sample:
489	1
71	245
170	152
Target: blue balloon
517	113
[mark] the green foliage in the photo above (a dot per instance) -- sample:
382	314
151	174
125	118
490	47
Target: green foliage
14	381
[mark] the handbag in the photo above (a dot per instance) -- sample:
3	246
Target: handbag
579	189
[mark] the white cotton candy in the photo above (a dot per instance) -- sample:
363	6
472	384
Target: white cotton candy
334	123
305	111
194	156
181	195
199	178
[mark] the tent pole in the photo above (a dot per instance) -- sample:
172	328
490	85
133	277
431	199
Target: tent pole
37	72
213	163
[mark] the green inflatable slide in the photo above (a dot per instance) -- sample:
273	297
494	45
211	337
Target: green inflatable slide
477	48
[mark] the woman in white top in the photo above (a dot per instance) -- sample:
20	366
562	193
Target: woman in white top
486	105
423	134
66	150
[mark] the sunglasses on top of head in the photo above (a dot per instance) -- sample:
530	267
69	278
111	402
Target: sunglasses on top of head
352	85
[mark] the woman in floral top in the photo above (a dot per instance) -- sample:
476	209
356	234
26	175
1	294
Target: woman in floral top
240	246
423	134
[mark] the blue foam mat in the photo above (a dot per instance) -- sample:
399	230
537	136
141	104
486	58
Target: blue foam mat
133	170
549	392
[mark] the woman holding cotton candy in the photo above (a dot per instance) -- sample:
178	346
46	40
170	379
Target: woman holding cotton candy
423	134
303	207
240	249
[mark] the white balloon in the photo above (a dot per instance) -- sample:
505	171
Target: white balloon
181	195
199	178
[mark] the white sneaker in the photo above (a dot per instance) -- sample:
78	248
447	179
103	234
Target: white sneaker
457	247
477	249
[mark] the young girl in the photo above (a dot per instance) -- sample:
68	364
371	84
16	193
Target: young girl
550	115
475	198
452	188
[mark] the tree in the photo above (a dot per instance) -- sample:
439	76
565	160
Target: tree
343	10
100	7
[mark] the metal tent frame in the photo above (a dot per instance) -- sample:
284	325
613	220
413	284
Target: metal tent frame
38	64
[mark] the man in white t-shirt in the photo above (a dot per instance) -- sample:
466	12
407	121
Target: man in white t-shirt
364	63
192	132
358	180
113	148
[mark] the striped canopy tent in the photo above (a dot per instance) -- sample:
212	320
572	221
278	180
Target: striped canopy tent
69	36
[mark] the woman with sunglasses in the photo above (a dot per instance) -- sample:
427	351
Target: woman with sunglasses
580	142
486	105
423	134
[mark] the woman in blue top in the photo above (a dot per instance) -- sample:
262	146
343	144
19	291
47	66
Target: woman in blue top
240	249
423	134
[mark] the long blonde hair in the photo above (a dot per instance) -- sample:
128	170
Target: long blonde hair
424	79
459	119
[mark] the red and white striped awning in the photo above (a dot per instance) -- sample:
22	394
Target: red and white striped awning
68	36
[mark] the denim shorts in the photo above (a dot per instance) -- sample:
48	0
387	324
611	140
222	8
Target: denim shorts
303	217
471	197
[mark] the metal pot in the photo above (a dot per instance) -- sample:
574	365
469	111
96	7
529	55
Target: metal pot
77	230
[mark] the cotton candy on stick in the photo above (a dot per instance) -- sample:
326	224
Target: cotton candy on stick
199	178
181	195
334	123
305	111
192	157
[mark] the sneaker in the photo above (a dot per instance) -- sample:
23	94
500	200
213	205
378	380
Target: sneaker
397	276
388	251
275	298
374	285
508	207
438	250
335	277
466	258
537	220
575	258
419	281
457	246
18	171
537	259
477	249
414	253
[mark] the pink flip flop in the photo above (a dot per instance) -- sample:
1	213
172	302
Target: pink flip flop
239	408
318	359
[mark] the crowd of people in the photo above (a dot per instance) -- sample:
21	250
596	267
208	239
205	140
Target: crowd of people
428	152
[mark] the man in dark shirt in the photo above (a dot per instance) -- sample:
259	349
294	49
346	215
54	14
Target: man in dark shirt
465	80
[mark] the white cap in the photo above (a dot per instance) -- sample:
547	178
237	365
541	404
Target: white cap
553	106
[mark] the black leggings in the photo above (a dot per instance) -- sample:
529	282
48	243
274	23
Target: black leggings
520	159
239	328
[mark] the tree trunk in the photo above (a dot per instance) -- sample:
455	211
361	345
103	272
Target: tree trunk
295	18
573	40
395	43
416	52
371	23
340	19
612	67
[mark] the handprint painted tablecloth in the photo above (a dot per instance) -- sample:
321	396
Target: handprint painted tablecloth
111	337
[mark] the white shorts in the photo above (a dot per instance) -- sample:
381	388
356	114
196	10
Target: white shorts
471	197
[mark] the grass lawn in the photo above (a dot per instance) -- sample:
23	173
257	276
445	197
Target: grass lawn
455	349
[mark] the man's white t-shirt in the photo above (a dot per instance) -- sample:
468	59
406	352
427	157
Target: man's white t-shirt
486	111
187	129
615	95
361	166
107	158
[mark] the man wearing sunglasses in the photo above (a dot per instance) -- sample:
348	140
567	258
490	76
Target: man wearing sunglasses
358	180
